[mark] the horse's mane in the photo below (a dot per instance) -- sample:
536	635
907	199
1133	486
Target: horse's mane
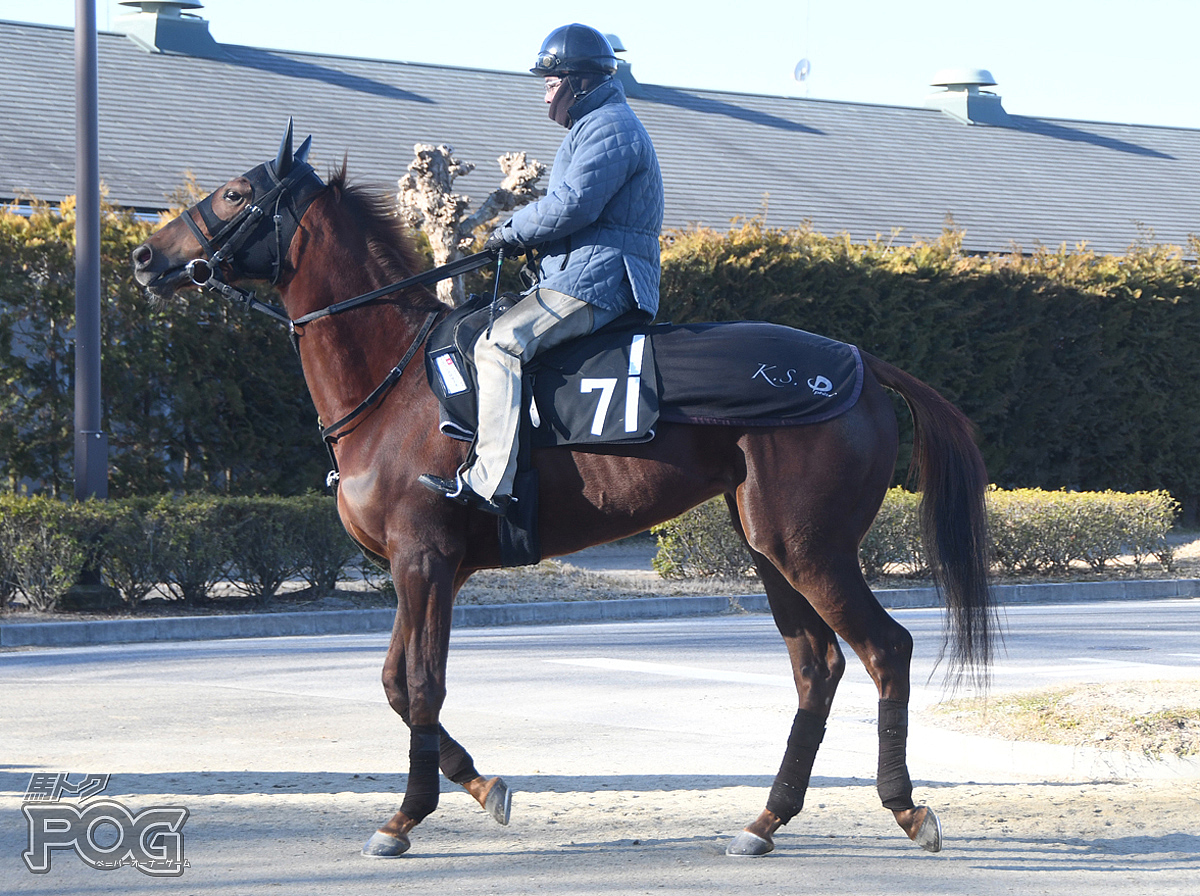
388	239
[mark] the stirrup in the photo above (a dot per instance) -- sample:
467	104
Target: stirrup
447	488
459	492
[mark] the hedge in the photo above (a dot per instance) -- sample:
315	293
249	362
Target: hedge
1032	532
187	546
183	546
197	395
1079	369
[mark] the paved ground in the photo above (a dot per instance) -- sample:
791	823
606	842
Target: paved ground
637	750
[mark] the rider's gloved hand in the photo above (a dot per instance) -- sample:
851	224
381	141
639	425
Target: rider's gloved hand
497	241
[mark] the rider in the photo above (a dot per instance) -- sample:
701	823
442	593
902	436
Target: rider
597	232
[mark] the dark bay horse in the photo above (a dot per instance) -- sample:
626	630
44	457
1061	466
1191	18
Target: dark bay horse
802	496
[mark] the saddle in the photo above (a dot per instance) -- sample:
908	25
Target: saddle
589	390
617	384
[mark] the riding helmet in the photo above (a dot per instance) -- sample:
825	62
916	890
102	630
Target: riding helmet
575	48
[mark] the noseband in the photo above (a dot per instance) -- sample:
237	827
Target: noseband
291	194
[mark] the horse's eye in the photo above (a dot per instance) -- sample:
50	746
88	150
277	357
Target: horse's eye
232	196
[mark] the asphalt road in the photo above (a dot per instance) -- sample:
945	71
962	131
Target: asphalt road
287	755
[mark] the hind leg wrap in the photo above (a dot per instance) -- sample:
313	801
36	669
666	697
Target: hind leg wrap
421	795
787	793
892	781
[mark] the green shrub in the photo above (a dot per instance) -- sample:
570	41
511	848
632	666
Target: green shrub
893	543
702	543
325	549
264	551
1148	518
1079	369
129	550
44	558
187	545
192	545
8	542
1032	532
1035	531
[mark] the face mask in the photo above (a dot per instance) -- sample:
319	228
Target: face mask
560	104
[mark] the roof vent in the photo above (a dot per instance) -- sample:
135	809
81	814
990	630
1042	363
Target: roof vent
963	100
624	71
159	26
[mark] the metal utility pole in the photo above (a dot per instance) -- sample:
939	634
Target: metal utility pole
91	444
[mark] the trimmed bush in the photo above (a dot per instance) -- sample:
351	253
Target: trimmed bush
1032	532
186	545
8	541
893	542
193	545
701	544
1079	369
43	557
129	550
264	551
325	550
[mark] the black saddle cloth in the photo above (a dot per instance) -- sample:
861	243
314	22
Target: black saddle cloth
749	373
616	384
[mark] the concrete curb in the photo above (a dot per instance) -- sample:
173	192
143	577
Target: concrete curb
341	622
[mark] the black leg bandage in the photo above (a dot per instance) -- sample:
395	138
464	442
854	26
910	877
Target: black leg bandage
456	763
421	796
892	781
787	793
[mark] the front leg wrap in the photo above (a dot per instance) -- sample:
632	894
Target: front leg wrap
421	795
787	793
456	763
892	781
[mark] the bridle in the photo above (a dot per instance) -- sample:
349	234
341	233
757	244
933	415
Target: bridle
242	246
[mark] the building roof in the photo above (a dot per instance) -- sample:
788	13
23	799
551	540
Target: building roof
866	170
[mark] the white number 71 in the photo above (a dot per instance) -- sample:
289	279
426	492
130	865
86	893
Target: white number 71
607	385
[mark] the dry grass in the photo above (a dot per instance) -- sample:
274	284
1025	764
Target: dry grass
559	580
1160	718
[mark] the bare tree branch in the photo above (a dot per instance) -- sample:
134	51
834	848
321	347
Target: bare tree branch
427	202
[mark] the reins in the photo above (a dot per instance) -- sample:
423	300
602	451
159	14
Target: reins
203	274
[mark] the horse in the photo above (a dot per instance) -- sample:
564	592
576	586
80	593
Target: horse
801	497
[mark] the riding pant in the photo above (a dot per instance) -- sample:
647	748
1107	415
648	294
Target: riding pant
541	320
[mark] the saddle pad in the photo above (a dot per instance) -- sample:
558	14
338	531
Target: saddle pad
587	391
748	373
615	385
599	389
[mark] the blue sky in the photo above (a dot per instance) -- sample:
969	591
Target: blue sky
1100	60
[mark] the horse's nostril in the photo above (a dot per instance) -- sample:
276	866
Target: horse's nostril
142	256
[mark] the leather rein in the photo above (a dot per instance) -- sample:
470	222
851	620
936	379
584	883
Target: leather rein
220	249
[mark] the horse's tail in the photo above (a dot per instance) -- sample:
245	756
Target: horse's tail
953	481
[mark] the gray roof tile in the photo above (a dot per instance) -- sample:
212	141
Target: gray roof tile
858	168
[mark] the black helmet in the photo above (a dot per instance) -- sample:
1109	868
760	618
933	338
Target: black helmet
575	48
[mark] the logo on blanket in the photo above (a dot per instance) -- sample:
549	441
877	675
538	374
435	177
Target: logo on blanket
770	373
820	385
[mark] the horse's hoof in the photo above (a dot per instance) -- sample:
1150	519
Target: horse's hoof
385	846
929	834
747	844
498	802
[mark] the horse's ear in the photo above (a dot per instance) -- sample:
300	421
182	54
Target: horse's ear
302	153
283	161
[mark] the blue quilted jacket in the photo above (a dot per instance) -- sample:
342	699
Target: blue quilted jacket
598	224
